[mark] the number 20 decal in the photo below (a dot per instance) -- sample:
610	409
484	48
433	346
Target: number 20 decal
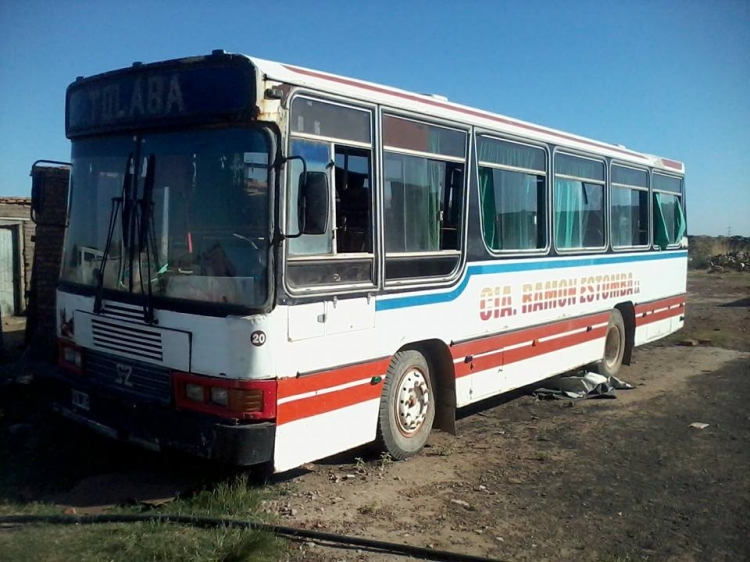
258	338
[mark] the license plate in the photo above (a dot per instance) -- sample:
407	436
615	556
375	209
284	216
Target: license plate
80	399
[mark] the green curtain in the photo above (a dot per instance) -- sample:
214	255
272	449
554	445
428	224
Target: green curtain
518	202
487	199
669	220
661	232
509	198
681	227
423	183
435	193
624	216
569	217
509	207
510	154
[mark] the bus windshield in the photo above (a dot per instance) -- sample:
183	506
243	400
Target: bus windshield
206	225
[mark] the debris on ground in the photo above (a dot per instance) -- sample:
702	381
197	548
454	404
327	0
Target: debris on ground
738	261
699	425
462	503
584	384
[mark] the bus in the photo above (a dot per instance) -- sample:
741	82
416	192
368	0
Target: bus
267	264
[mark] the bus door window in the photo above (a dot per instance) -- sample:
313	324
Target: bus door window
335	139
317	157
353	192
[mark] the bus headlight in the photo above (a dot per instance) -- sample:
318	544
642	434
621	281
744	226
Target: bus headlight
234	399
220	396
194	392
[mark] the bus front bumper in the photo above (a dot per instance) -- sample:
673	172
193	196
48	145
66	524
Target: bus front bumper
159	427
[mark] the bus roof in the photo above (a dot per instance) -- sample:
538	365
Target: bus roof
440	107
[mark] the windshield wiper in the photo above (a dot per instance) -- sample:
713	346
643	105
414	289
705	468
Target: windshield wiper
117	202
145	238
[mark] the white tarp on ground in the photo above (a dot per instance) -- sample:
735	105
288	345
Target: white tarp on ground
584	384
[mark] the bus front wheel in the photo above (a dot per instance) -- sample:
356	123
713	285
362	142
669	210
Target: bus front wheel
407	405
614	346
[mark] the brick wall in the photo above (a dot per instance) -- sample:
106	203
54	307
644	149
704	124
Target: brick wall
50	231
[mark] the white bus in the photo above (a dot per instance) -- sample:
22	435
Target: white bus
270	264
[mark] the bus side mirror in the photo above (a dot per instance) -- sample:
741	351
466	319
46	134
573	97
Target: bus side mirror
313	204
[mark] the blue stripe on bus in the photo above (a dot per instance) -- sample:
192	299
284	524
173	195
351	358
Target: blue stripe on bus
526	265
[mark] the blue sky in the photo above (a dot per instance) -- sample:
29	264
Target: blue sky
665	77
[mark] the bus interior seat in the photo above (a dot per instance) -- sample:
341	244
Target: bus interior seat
352	212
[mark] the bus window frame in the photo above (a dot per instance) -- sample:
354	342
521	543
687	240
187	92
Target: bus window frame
287	258
649	173
467	161
493	135
564	150
681	197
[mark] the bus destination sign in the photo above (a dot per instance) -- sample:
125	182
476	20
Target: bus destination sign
166	94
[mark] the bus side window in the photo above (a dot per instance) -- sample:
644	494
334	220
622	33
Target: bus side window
353	192
317	156
668	216
337	140
451	211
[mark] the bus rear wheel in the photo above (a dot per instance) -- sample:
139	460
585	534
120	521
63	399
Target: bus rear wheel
407	406
614	346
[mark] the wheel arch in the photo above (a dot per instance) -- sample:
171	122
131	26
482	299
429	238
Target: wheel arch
440	361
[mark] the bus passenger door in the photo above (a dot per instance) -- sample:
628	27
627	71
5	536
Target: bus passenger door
328	403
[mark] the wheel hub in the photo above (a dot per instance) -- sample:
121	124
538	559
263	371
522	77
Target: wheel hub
413	402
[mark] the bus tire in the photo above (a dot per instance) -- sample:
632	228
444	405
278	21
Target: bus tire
614	346
407	405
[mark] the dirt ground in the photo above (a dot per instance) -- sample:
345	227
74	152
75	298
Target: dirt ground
626	479
622	480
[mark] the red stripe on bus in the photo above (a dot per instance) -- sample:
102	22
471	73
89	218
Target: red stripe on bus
325	403
333	377
674	164
528	351
656	316
663	303
499	341
473	113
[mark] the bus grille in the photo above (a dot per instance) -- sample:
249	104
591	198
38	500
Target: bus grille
125	376
138	341
122	311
